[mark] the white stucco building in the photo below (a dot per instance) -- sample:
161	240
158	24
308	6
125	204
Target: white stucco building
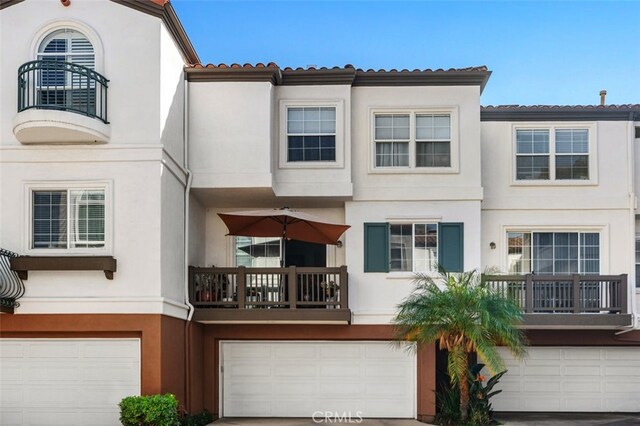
123	149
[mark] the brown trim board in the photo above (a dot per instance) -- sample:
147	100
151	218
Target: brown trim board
23	264
213	334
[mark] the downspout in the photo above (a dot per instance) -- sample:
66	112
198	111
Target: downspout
632	222
187	190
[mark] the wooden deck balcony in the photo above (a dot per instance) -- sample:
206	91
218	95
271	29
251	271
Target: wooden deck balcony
292	294
584	301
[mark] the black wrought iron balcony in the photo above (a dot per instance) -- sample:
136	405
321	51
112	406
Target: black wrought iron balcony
11	287
62	86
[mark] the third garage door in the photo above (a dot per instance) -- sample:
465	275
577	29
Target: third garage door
571	379
297	379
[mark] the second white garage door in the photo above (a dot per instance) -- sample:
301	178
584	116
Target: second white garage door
571	379
296	379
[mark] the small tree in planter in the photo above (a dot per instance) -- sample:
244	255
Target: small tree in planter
464	315
153	410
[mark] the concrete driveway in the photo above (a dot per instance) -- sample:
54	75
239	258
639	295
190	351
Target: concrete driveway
511	419
309	422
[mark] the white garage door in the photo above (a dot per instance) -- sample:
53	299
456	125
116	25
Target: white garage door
298	379
66	381
571	379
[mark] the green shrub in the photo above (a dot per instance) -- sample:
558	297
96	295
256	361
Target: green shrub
153	410
480	412
202	419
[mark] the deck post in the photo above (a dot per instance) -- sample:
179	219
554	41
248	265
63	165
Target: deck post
344	288
576	293
242	282
623	294
293	287
528	294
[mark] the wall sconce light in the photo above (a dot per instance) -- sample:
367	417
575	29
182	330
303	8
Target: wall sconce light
492	245
339	245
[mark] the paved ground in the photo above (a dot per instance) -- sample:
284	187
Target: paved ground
542	419
567	419
309	422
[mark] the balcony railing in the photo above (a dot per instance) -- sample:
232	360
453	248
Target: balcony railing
62	86
599	299
293	293
11	287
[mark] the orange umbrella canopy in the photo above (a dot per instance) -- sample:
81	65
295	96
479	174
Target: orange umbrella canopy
284	223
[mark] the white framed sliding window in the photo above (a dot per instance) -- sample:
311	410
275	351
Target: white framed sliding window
68	218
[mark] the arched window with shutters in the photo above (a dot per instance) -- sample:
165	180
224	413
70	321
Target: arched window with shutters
59	85
63	75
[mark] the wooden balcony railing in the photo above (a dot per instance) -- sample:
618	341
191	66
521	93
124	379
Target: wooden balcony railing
591	296
293	293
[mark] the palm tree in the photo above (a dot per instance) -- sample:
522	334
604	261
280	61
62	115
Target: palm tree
464	315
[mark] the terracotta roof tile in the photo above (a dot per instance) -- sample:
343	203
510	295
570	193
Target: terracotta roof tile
482	68
611	107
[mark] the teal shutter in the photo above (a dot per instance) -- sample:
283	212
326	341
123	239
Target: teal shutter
376	247
451	246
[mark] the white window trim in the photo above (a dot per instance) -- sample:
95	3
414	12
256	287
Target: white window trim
452	111
603	230
552	127
107	186
39	36
284	104
410	274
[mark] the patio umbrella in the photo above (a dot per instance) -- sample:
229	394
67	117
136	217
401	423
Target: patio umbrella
284	223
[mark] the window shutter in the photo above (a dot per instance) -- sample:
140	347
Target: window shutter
451	246
376	247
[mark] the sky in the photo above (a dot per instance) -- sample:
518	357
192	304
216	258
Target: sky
561	52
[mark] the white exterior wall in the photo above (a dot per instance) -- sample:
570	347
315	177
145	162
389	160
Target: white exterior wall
230	132
304	180
371	184
605	205
373	297
145	110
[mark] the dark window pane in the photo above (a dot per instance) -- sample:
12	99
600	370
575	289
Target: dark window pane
433	154
532	167
572	167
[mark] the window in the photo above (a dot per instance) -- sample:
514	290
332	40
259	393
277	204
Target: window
68	219
413	247
392	140
552	154
413	140
56	84
311	134
554	253
417	247
257	252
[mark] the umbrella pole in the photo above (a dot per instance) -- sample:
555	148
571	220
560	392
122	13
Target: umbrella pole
284	244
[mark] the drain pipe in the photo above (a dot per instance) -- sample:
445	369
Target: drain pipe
187	191
632	222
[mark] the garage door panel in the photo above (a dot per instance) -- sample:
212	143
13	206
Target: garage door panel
587	379
582	371
337	369
322	376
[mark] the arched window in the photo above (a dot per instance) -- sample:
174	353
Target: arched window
65	81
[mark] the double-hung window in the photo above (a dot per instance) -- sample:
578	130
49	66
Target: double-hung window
413	247
311	134
552	154
637	261
392	140
415	140
554	253
68	218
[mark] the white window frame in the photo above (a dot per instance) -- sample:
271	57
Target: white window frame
603	230
452	111
283	139
81	27
592	128
105	186
413	258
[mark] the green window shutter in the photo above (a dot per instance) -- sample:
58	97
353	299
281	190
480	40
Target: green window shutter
451	246
376	247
